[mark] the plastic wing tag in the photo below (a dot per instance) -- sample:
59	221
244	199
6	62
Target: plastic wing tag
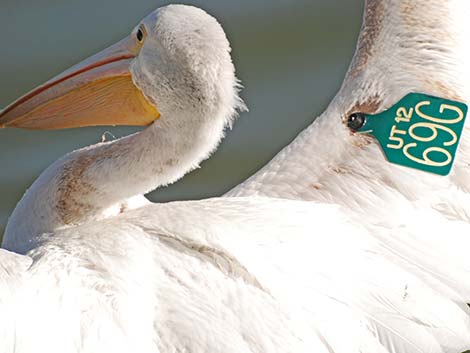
420	131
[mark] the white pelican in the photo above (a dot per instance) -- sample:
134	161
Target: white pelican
175	64
363	258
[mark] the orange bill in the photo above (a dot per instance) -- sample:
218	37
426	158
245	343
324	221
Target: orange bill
98	91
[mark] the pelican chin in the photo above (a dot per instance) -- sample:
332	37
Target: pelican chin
173	72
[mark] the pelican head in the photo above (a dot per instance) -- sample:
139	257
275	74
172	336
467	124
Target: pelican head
175	63
174	73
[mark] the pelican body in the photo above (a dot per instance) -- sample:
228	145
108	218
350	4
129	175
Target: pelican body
328	248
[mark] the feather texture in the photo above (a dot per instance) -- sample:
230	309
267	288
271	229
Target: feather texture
265	275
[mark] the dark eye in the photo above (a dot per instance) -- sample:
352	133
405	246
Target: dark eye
140	35
356	121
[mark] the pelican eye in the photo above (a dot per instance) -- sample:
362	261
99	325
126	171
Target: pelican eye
140	35
356	121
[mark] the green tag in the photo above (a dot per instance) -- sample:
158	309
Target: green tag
420	132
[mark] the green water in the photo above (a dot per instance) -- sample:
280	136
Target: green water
291	57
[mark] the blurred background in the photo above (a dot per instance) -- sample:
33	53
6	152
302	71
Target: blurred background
290	55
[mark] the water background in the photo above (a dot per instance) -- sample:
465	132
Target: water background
290	55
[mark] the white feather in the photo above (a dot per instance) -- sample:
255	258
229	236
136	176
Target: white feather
264	275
